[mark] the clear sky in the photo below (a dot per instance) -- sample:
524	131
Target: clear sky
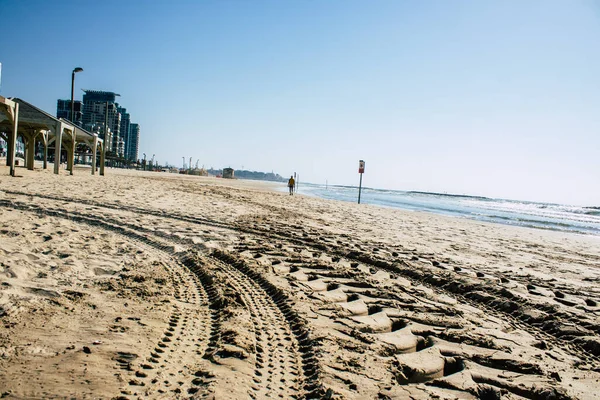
493	98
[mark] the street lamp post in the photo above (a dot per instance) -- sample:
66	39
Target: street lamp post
76	70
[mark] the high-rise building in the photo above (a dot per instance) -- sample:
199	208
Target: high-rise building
95	105
132	142
125	121
63	110
91	115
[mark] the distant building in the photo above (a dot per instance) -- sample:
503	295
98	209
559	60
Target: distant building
228	173
121	148
95	105
132	142
63	110
198	172
20	147
91	115
124	128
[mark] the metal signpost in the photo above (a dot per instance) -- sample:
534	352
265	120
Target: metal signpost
361	170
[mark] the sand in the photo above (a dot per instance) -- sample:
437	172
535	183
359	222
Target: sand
163	286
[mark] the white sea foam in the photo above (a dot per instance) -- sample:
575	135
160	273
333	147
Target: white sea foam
524	213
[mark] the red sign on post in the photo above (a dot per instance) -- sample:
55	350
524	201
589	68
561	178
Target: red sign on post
361	170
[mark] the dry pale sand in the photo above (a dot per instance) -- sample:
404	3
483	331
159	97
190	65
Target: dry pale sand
151	285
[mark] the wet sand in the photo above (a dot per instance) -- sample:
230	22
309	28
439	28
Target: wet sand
155	285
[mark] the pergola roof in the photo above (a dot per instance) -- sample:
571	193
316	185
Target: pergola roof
81	134
31	117
20	117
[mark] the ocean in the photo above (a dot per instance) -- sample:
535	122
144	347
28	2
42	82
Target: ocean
558	217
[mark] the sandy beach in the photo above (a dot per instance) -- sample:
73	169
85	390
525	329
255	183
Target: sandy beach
165	286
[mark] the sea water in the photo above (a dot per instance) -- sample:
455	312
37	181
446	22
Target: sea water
552	216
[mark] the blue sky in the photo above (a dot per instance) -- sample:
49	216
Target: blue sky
498	99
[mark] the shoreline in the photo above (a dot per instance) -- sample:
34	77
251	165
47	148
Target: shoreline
484	214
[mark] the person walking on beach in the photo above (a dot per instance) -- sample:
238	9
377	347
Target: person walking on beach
291	184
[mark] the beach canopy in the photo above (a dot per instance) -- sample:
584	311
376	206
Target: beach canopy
18	117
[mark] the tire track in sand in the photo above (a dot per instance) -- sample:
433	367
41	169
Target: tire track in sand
269	303
284	351
164	372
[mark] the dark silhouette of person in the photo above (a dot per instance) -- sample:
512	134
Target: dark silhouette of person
291	184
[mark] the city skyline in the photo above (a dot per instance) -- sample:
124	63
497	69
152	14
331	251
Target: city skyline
491	99
91	114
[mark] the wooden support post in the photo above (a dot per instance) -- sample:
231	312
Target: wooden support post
69	150
102	157
12	151
45	135
73	147
57	145
30	150
94	150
